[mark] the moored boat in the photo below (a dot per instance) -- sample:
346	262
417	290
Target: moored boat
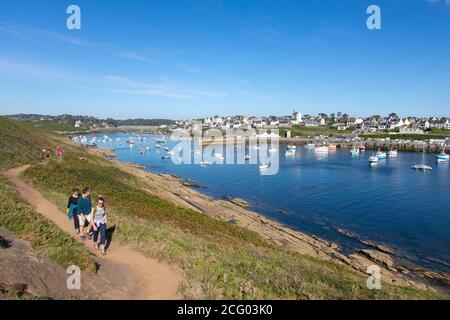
373	160
442	157
392	153
354	152
380	155
322	149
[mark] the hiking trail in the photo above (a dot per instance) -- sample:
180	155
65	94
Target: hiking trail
124	273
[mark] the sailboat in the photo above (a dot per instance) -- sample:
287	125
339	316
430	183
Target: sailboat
422	166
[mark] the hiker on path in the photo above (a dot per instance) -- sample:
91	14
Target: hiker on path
98	218
84	211
72	211
59	151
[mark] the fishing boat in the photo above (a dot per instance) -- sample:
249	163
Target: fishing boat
291	147
442	157
362	148
392	153
310	146
322	149
381	155
205	163
354	151
422	166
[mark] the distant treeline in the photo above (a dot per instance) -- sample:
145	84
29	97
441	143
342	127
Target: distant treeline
85	122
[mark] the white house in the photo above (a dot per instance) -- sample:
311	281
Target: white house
297	117
77	124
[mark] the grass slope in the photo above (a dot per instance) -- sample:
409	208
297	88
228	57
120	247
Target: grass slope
220	260
44	236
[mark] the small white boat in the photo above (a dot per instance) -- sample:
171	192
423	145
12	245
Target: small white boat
218	156
166	148
159	140
422	167
142	151
290	153
373	160
442	157
158	146
310	146
166	157
354	151
392	153
322	149
291	147
205	163
263	166
381	155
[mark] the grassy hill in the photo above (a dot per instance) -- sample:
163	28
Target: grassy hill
20	143
220	260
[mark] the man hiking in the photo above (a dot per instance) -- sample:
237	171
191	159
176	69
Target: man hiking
84	211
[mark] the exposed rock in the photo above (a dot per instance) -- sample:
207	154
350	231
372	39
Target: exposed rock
193	184
377	246
378	257
345	232
436	276
240	202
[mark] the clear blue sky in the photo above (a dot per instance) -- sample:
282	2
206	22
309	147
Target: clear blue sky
195	58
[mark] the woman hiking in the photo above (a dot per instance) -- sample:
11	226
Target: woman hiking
98	218
72	211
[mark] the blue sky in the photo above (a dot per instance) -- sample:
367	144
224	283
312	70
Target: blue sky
195	58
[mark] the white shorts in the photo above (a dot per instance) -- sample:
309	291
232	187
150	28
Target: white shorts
83	218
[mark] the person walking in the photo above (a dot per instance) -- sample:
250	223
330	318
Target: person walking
98	218
72	211
84	210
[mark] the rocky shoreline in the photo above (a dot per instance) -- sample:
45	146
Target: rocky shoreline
177	191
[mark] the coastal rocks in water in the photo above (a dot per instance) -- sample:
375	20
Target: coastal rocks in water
237	201
240	202
193	184
436	276
345	232
136	165
377	246
378	257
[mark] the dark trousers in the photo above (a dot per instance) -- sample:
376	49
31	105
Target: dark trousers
102	230
76	222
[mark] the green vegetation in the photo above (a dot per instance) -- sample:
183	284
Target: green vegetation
21	143
44	236
220	260
301	131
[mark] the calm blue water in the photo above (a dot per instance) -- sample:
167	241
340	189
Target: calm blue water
389	204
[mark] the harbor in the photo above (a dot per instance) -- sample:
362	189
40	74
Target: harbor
322	192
